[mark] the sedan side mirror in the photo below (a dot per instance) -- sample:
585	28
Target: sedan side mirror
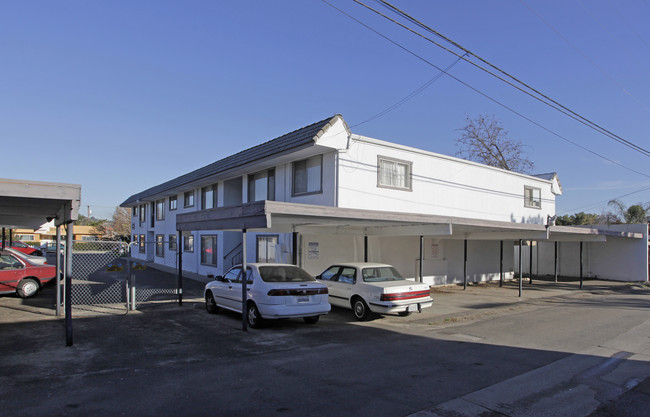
219	278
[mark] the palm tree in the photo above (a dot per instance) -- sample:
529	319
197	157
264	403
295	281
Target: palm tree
636	213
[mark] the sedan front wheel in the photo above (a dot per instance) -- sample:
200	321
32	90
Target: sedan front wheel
27	287
255	320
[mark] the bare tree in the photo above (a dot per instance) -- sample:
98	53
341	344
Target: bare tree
484	140
122	223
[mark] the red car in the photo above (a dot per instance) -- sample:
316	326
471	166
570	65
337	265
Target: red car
20	276
25	248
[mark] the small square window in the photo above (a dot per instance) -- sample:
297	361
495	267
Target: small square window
394	173
307	175
173	202
188	199
532	197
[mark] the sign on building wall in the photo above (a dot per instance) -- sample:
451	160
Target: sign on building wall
313	251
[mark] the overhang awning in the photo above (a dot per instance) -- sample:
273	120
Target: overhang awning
283	217
30	204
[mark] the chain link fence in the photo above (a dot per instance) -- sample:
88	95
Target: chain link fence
106	280
99	277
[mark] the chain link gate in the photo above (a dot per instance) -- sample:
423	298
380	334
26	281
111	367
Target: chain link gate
99	278
151	286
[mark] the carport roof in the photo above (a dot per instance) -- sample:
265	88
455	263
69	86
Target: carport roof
284	217
30	204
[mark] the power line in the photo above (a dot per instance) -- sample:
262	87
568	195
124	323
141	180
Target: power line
599	203
411	95
482	93
537	94
591	61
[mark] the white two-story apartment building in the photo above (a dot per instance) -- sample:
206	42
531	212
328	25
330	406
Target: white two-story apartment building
334	193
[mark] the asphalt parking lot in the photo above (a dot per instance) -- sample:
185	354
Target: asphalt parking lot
557	350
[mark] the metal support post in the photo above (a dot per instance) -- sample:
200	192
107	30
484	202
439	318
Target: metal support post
465	265
521	259
421	258
68	284
179	276
57	249
580	265
530	263
295	247
555	265
501	264
244	282
365	248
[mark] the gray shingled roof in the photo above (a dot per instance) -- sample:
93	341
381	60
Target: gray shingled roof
291	140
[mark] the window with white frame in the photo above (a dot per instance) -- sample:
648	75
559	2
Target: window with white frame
266	248
160	245
173	246
209	250
173	202
160	209
188	243
143	213
394	173
307	175
209	197
135	211
141	244
26	238
532	197
188	199
261	186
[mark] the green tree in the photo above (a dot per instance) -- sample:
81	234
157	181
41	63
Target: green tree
484	140
637	213
578	219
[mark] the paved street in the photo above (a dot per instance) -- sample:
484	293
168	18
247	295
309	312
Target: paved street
483	351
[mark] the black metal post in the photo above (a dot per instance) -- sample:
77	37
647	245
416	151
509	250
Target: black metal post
501	264
179	276
421	258
555	264
365	248
244	290
68	284
530	262
294	243
521	259
580	265
465	265
3	238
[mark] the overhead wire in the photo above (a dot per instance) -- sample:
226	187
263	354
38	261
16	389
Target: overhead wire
482	93
584	55
537	94
410	95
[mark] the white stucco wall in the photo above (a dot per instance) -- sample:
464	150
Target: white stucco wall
441	185
618	259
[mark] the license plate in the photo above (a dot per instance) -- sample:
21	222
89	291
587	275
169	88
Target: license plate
302	299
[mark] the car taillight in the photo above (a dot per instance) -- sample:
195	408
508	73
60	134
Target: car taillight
297	291
404	295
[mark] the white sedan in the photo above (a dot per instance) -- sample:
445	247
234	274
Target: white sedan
373	287
275	291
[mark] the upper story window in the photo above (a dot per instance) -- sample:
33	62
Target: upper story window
394	173
307	175
135	211
532	197
188	199
209	197
173	202
261	186
160	209
143	213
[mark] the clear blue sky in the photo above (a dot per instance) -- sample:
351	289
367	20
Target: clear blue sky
119	96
